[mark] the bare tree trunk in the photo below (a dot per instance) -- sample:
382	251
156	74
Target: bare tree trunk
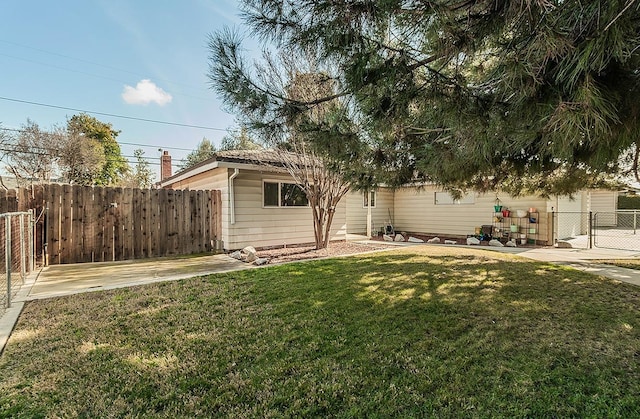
327	228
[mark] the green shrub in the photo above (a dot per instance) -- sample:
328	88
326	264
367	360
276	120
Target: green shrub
628	202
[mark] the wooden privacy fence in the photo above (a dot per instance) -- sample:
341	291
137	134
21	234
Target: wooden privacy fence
93	224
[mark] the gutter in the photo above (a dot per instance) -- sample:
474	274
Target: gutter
232	198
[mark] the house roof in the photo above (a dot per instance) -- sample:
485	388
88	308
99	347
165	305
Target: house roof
263	160
258	157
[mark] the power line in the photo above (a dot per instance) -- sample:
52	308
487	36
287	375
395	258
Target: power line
57	153
119	142
159	146
113	115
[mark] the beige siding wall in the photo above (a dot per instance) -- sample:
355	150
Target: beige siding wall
604	205
213	179
415	211
572	219
258	226
357	213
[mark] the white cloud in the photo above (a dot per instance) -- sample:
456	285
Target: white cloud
144	93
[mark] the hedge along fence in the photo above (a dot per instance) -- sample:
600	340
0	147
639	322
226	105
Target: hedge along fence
94	224
628	202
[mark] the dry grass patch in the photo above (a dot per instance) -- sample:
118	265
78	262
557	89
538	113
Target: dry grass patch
419	332
623	263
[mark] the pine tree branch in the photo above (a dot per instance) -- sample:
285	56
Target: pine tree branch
629	4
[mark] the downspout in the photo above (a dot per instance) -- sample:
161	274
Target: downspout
368	214
232	198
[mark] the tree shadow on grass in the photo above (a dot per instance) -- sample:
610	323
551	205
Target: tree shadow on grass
389	334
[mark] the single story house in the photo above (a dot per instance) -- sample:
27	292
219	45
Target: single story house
262	207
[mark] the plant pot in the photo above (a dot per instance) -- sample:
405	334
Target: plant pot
532	209
506	213
514	228
497	208
521	213
523	241
532	231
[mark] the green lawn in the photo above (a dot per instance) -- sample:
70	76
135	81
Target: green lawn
419	332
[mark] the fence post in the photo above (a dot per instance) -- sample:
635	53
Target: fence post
7	256
23	268
635	219
590	230
553	227
32	232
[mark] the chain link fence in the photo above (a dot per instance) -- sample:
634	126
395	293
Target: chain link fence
610	230
16	254
617	230
573	228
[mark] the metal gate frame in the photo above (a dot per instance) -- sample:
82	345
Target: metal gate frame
617	230
584	221
26	252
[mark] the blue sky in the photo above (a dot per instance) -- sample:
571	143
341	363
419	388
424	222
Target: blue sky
141	59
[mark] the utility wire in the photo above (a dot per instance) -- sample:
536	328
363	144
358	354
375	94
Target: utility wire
177	124
58	153
119	142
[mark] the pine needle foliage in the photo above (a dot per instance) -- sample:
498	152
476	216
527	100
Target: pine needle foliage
537	95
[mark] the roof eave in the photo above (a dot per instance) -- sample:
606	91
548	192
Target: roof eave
197	170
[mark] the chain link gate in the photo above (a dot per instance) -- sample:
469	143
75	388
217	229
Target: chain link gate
617	230
573	228
17	254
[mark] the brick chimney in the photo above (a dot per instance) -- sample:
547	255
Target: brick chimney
165	165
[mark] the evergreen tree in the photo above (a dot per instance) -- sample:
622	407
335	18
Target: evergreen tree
530	96
140	175
205	150
239	140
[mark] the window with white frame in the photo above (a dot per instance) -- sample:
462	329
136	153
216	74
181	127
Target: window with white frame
445	198
370	197
283	194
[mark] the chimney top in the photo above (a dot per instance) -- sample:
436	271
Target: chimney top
165	165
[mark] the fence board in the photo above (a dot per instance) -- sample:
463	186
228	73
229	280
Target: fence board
80	224
117	213
200	219
65	224
155	244
76	249
193	216
101	234
183	223
88	225
127	215
53	222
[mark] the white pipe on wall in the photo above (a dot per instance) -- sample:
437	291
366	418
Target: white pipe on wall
232	198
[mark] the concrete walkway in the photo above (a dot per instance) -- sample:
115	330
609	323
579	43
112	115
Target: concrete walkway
58	280
585	260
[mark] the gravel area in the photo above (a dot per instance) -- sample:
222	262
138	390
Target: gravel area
290	254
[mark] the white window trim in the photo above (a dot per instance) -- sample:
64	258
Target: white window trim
279	182
375	199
